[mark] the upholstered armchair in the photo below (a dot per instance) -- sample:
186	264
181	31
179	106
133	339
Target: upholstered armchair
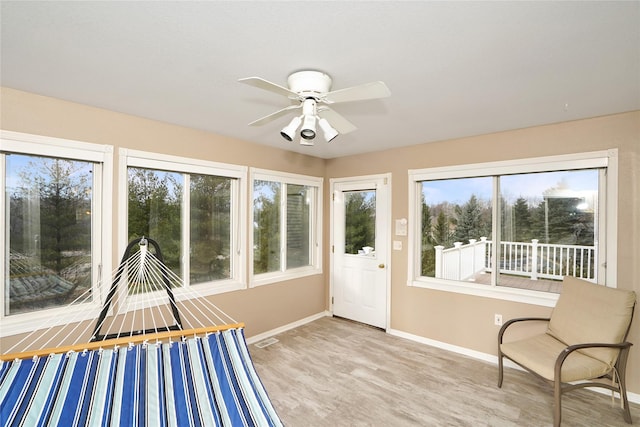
584	344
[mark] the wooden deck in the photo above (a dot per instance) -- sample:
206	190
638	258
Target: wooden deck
520	282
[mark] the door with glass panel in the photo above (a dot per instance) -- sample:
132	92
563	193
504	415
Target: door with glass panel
360	273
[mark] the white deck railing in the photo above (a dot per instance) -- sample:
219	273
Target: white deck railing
534	260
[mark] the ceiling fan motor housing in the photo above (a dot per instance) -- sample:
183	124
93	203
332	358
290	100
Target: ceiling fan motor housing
309	84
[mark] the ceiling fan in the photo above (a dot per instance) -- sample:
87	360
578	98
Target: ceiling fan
310	91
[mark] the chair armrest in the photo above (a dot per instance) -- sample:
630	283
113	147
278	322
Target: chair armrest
570	349
516	320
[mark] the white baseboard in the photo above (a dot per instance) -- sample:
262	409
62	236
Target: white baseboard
256	338
633	397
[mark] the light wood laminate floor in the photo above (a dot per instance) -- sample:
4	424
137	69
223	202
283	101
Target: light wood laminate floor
333	372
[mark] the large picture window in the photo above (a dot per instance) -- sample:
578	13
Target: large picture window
54	228
514	227
286	226
49	238
192	209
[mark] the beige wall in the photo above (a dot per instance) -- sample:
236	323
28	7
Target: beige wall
262	308
461	320
467	321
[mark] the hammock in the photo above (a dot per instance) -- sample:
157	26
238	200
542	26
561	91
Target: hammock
164	375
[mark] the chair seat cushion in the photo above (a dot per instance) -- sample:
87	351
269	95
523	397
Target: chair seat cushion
539	354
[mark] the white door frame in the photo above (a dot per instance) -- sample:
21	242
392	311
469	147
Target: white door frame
355	180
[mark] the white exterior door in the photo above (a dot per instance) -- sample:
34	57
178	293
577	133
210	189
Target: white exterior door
360	249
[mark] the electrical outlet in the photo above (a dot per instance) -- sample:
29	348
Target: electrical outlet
497	319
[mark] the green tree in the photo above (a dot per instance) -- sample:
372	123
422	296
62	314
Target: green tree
469	221
537	221
428	252
210	227
154	210
522	221
360	213
266	230
566	224
442	234
426	226
49	216
63	192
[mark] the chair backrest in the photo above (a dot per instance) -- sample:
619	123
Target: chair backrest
590	313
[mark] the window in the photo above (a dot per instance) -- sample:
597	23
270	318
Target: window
514	229
192	209
286	226
55	229
360	221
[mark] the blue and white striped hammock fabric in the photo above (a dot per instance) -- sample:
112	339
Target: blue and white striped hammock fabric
204	381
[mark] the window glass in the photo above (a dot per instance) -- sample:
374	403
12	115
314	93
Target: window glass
50	205
456	214
210	223
286	226
155	211
514	229
266	226
298	223
548	228
360	222
159	204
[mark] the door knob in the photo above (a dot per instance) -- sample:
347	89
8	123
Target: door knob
380	265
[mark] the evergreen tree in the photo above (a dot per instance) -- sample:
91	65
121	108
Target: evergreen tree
427	252
442	234
64	210
154	210
522	221
266	229
360	213
210	227
537	222
567	224
426	227
469	223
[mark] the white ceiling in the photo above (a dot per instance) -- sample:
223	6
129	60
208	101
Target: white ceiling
454	68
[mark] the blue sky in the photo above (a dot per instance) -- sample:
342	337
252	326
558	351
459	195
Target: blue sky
18	163
529	186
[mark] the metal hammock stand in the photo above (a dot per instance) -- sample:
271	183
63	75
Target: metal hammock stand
143	243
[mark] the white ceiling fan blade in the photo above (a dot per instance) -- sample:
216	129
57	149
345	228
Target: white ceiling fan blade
267	85
273	116
336	121
371	90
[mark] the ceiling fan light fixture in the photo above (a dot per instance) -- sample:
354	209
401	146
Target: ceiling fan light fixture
308	130
289	131
327	130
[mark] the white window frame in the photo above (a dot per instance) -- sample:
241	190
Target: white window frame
149	160
315	228
102	156
607	223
